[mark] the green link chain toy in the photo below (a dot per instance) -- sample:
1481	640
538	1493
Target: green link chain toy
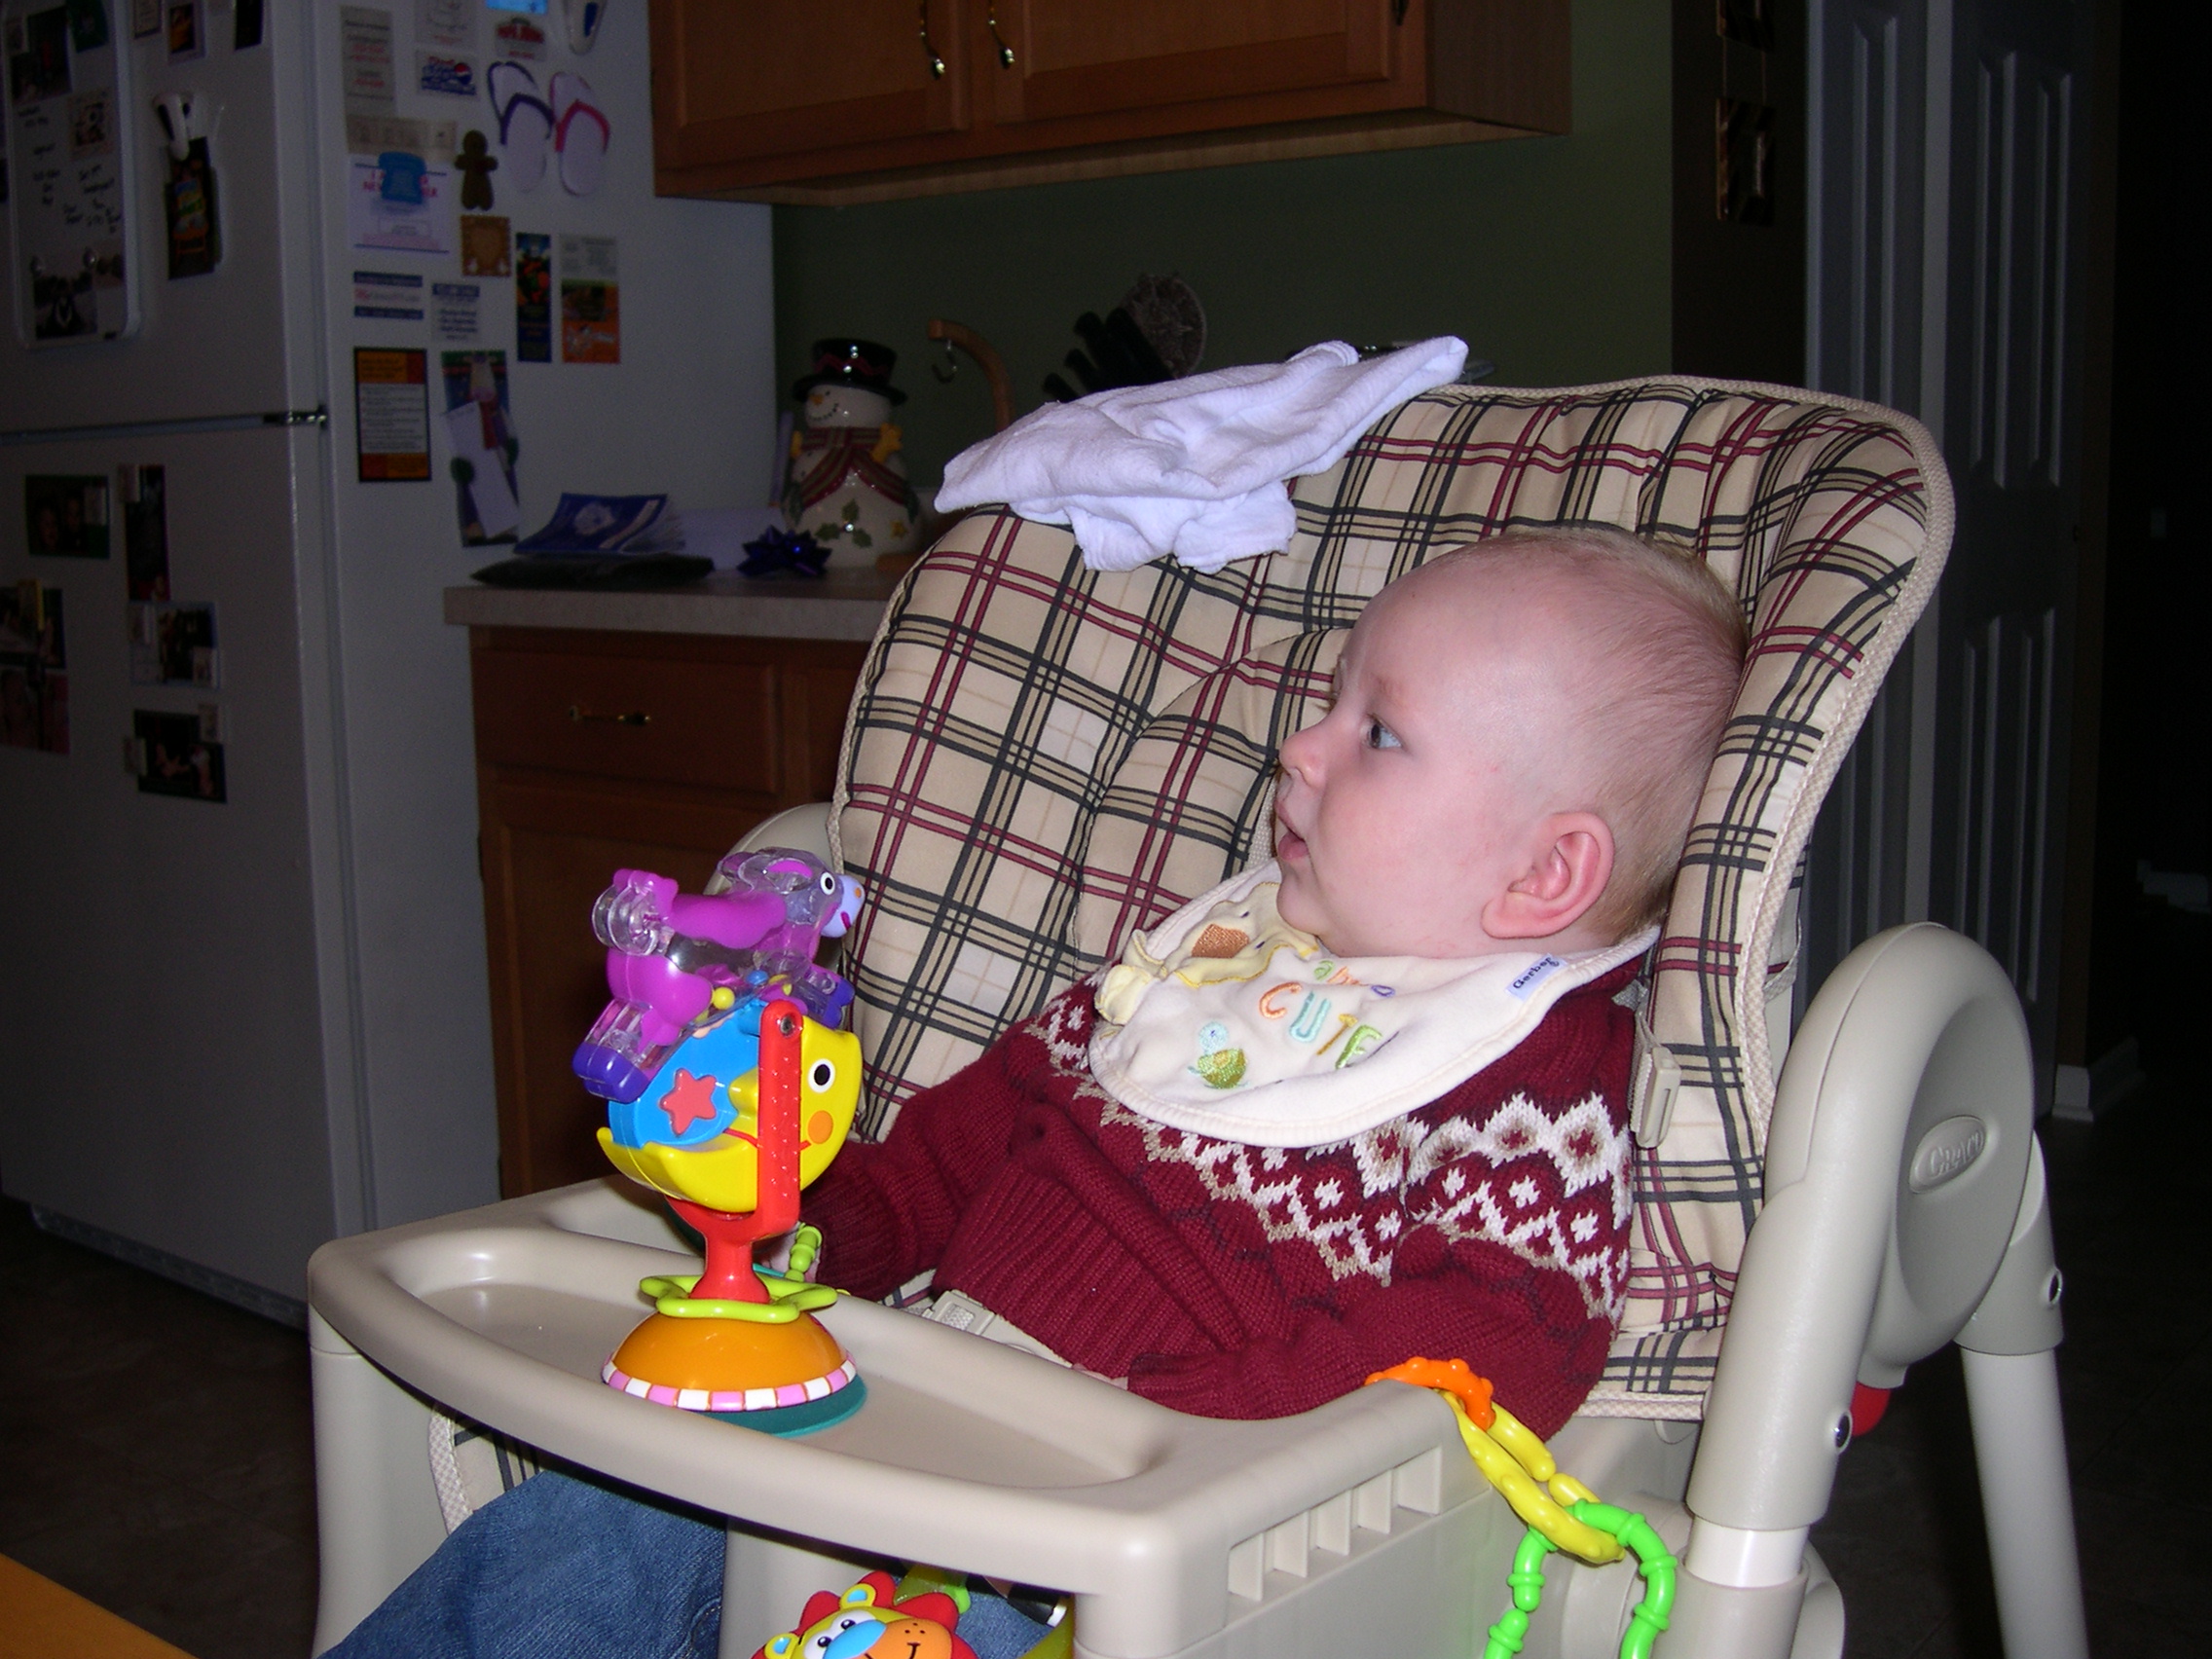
1563	1514
1652	1558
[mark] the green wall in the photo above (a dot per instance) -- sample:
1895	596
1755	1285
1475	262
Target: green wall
1549	256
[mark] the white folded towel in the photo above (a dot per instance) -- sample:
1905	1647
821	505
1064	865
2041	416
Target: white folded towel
1193	467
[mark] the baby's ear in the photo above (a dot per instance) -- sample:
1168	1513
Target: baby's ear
1573	863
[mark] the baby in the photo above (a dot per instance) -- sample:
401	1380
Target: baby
1367	1100
1364	1101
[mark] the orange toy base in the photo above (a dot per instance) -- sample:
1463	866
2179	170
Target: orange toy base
729	1365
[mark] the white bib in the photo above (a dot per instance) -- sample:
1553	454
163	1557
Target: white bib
1227	1021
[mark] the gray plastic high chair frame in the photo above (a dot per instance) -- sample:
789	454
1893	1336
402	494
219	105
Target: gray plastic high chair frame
1905	1209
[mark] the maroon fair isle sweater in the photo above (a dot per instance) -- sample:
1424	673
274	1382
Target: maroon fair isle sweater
1244	1281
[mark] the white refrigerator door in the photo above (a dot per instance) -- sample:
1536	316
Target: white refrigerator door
212	345
159	1000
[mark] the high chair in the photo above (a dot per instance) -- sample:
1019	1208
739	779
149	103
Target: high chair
1042	759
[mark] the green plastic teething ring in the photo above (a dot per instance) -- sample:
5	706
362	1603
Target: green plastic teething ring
1653	1560
788	1298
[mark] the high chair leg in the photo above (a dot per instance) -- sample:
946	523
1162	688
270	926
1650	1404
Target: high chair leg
2019	1440
1904	1210
2020	1449
1738	1606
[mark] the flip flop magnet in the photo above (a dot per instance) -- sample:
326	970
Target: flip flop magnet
526	123
580	133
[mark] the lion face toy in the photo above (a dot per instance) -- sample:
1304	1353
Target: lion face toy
914	1639
869	1620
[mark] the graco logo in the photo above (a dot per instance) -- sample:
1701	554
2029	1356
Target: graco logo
1946	1152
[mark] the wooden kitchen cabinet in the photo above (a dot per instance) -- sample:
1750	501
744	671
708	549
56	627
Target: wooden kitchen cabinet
598	751
834	103
739	82
1078	58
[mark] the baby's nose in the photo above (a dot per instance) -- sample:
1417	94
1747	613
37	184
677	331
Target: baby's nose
1301	754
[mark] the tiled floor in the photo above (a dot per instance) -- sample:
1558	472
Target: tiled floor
155	1452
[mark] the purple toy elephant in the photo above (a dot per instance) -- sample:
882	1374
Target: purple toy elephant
669	952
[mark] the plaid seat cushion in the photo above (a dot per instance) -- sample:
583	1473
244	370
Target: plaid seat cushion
1042	758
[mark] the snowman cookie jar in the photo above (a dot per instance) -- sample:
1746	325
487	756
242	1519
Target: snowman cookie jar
847	484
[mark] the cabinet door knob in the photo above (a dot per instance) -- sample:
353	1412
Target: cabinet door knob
583	715
937	63
991	22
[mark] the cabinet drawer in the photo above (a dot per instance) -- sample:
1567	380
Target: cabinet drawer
675	721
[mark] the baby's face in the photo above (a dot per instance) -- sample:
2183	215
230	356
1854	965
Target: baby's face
1425	790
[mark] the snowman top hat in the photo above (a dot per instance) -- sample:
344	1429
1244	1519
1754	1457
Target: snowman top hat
858	363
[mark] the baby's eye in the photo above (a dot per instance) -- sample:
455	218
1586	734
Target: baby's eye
1380	736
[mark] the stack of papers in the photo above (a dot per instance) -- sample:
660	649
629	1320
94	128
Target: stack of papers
607	524
624	525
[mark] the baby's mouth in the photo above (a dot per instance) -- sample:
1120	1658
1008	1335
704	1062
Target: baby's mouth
1290	845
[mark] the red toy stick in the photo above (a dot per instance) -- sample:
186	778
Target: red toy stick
730	1236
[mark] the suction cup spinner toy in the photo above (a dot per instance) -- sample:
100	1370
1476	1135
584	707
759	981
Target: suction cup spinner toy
729	1087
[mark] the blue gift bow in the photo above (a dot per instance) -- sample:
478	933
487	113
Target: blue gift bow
781	552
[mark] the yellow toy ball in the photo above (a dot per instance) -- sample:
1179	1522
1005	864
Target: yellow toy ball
724	1173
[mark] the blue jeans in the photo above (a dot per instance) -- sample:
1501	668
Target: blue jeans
572	1564
562	1565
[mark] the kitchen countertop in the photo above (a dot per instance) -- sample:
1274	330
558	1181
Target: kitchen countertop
843	605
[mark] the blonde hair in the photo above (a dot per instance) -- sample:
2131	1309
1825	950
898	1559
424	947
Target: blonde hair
1664	644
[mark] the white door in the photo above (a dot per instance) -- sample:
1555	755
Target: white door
1947	146
1874	323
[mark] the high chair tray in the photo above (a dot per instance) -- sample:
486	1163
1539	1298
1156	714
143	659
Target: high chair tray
966	1453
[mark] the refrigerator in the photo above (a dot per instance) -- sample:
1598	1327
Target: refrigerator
243	995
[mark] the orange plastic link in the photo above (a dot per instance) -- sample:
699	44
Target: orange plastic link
1451	1375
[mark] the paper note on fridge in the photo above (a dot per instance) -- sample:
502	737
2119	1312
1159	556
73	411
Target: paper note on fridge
495	509
456	310
392	296
415	220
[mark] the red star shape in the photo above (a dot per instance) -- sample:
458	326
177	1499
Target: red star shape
688	1100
